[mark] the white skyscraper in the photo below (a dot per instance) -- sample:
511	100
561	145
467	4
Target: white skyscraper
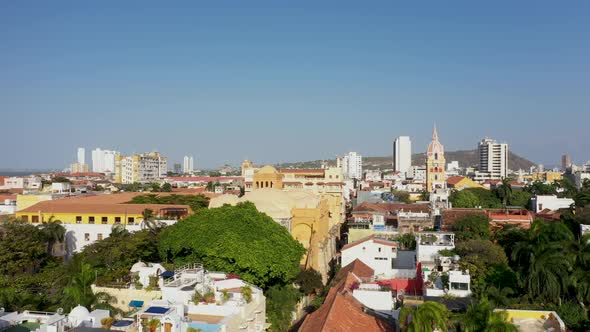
81	156
493	159
188	164
103	161
352	166
402	154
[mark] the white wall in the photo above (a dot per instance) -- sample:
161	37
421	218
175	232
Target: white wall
377	256
551	202
374	299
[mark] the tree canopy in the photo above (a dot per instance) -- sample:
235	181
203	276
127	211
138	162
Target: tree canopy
236	239
472	227
196	202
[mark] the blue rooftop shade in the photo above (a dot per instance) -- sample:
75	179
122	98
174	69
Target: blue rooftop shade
157	310
122	323
136	304
167	274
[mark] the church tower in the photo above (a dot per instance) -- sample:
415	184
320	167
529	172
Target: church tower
435	164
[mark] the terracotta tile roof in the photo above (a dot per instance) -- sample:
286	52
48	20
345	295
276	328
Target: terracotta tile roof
391	207
341	311
58	206
453	180
357	267
4	197
2	180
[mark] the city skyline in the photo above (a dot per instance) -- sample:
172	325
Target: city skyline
170	79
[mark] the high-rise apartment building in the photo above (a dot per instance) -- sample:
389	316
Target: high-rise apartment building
402	154
177	168
566	161
493	159
81	156
103	161
188	164
352	165
142	168
78	168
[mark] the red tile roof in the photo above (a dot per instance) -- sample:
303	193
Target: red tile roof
4	197
2	180
341	311
453	180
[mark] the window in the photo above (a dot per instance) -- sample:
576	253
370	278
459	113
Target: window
380	258
363	248
24	218
104	220
459	286
392	249
91	220
86	236
99	236
117	220
379	249
78	219
130	220
34	219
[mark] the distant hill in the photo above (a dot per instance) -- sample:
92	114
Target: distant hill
464	157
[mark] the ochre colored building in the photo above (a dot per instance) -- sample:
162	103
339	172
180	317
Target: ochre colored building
303	213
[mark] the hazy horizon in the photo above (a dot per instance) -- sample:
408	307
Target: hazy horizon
276	82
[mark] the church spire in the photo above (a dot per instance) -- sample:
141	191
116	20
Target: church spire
434	134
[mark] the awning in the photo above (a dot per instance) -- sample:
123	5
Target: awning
136	304
167	274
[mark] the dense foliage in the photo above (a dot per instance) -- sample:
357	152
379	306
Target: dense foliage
236	239
196	202
472	227
504	195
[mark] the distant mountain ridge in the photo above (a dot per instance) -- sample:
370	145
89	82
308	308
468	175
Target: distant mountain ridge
464	157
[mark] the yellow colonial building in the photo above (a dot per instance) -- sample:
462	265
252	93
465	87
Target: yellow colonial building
305	214
328	183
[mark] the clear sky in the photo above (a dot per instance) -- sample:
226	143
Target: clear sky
281	81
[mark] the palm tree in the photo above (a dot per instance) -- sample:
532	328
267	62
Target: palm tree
119	231
505	191
79	291
427	317
153	325
53	232
481	317
544	271
499	297
154	226
498	322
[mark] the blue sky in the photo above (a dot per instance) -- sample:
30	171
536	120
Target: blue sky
280	81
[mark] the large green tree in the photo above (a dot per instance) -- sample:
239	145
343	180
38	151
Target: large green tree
237	239
472	227
23	248
463	199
